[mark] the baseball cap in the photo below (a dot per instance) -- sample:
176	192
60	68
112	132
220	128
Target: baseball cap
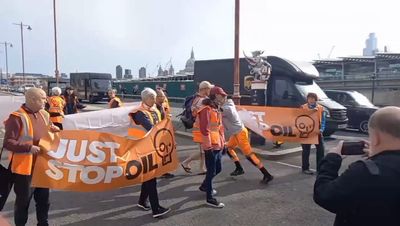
218	90
205	85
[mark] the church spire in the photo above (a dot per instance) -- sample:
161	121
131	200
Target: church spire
192	54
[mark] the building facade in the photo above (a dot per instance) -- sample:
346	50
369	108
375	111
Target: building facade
118	72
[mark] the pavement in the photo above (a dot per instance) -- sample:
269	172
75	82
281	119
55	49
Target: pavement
287	200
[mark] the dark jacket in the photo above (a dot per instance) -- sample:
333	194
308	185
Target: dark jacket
141	118
361	196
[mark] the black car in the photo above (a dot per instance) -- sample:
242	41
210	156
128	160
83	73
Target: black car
359	108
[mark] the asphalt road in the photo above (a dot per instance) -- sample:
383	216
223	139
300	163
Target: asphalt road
287	200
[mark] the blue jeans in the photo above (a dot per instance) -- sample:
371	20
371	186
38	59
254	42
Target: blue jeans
213	165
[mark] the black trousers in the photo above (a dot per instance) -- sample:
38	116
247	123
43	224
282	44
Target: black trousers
149	190
24	193
214	167
305	157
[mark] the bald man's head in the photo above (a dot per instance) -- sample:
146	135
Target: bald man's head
35	99
386	120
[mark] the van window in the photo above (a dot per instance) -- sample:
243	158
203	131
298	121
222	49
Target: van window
285	93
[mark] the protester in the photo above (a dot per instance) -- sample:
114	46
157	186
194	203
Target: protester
209	123
163	106
56	107
23	130
203	93
367	193
114	102
312	104
237	135
71	106
143	119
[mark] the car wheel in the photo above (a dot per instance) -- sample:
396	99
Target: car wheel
363	126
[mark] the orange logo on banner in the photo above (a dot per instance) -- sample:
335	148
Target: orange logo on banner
286	124
79	160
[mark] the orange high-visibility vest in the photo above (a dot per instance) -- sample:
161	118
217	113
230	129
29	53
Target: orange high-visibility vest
138	131
214	126
56	108
22	163
120	104
320	110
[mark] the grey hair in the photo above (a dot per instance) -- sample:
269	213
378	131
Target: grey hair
148	92
112	90
56	91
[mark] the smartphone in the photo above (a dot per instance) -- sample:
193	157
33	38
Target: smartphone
353	148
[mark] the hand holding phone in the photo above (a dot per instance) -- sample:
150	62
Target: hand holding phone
353	148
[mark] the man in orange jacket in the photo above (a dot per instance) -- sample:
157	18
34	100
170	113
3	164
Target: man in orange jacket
56	107
24	128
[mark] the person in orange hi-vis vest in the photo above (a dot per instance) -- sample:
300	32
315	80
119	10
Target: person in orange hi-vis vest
203	93
212	143
114	102
56	106
312	105
24	128
237	135
143	119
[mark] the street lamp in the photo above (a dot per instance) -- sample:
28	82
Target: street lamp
21	25
55	43
236	67
5	48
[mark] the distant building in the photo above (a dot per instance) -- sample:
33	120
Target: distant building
64	75
171	70
189	68
160	71
118	72
370	45
18	79
128	74
142	72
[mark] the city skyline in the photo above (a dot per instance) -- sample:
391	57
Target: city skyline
97	35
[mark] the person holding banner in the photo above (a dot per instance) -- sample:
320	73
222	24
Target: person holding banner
312	104
56	106
114	102
237	134
24	128
143	119
211	131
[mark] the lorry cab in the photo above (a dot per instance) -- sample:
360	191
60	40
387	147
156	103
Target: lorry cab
359	107
287	86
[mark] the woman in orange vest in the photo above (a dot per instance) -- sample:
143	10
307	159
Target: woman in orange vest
312	104
143	119
23	130
114	102
212	143
56	107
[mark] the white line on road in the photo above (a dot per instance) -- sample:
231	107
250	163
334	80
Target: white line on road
294	166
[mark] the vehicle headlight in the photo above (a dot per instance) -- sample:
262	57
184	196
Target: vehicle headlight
327	114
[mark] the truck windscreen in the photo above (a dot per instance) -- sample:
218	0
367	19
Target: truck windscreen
306	88
101	84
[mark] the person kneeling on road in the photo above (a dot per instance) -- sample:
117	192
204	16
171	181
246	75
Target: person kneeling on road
238	135
368	192
212	132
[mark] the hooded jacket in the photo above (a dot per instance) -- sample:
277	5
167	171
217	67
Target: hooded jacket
230	119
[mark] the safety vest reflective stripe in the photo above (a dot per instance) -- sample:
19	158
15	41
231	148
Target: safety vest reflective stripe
22	163
138	131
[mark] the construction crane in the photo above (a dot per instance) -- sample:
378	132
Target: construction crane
330	52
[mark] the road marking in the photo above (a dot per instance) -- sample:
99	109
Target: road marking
293	166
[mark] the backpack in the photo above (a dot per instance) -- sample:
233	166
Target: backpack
186	116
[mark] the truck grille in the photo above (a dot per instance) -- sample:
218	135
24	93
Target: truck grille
339	114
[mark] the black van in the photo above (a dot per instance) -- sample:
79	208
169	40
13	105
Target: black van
288	86
359	108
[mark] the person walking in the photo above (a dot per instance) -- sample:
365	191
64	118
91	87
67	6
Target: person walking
237	135
312	104
71	101
23	130
114	102
56	106
143	119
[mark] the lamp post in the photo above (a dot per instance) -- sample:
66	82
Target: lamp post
5	48
57	73
21	25
236	69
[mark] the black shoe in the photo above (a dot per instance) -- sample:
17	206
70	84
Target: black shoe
214	192
161	212
215	203
237	172
168	176
144	206
308	172
267	178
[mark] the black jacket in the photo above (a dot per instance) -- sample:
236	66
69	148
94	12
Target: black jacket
360	196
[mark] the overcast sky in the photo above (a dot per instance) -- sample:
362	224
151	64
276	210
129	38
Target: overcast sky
97	35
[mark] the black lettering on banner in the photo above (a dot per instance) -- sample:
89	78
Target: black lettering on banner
129	165
145	165
152	164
